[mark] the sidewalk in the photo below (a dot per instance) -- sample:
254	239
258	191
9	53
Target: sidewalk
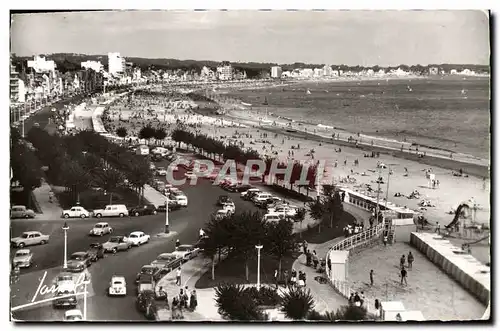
50	210
191	272
153	196
325	297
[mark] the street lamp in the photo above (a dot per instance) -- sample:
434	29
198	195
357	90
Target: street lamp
65	229
259	247
86	282
167	230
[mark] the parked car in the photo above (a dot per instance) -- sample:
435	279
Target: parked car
157	157
73	315
65	280
100	229
23	258
269	202
137	238
145	283
240	188
161	171
117	286
261	197
181	200
246	195
117	243
96	251
66	297
159	185
148	209
29	238
79	261
272	218
167	261
222	199
172	205
76	211
186	252
146	270
21	212
221	213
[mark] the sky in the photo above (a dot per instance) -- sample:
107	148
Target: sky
321	37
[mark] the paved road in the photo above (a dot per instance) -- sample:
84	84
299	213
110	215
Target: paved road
185	222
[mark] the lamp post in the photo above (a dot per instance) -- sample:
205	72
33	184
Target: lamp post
259	247
65	229
167	230
387	190
85	284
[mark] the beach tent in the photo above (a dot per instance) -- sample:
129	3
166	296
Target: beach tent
337	268
389	310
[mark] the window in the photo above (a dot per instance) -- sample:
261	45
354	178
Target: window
36	235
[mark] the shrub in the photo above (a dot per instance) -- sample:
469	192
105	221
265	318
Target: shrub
297	303
235	303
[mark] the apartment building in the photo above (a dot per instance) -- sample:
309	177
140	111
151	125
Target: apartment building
276	72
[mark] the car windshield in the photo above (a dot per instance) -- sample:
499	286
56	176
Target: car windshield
183	248
78	257
114	239
98	226
24	235
133	236
166	257
64	278
73	318
22	253
117	282
147	270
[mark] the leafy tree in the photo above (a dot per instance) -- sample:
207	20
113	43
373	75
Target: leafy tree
328	205
235	303
121	132
75	177
159	134
297	303
280	240
139	175
146	133
25	166
299	217
110	180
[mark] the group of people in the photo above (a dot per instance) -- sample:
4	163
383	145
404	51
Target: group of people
402	266
184	300
352	229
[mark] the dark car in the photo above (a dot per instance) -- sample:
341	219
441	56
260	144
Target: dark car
146	270
96	251
250	195
167	261
172	205
267	202
68	299
148	209
79	261
240	188
145	283
223	199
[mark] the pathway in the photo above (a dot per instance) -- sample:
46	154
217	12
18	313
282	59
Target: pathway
49	210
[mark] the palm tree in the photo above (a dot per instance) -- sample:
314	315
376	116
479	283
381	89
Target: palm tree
297	303
235	303
110	180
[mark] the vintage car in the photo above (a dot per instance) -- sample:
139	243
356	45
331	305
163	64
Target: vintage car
100	229
76	211
23	258
96	251
186	252
30	238
21	212
117	286
145	283
116	243
73	315
137	238
146	270
79	261
172	205
65	297
142	210
167	261
65	280
112	211
223	199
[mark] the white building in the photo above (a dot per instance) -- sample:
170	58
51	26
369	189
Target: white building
40	64
225	71
276	72
335	73
453	72
327	70
306	72
116	63
94	65
137	74
318	72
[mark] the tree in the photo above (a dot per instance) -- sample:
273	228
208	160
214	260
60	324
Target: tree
297	303
299	217
329	204
235	303
109	180
75	177
139	175
146	132
25	166
159	134
217	234
280	240
121	132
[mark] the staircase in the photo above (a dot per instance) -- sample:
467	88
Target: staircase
389	229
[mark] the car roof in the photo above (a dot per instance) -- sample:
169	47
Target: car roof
18	206
165	254
73	312
136	232
79	253
31	232
23	251
186	246
115	278
101	223
148	266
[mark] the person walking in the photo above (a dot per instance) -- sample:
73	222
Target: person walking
438	228
404	273
402	261
193	301
178	277
410	260
177	243
293	278
371	277
385	240
202	233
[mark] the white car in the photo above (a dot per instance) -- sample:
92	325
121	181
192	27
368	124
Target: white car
272	217
111	210
73	315
76	211
244	194
181	200
285	211
229	206
160	171
190	175
100	229
137	238
23	258
186	252
222	213
117	286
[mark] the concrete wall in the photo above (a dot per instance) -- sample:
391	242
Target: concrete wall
465	269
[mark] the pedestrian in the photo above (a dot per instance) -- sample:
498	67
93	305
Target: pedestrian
410	260
371	277
293	278
438	228
357	299
51	196
301	283
377	304
178	277
186	292
385	240
315	260
185	299
308	258
175	308
304	278
351	298
275	277
177	243
402	261
362	298
403	276
304	246
193	301
285	276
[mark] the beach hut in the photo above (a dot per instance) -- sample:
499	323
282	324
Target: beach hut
403	227
390	309
337	265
